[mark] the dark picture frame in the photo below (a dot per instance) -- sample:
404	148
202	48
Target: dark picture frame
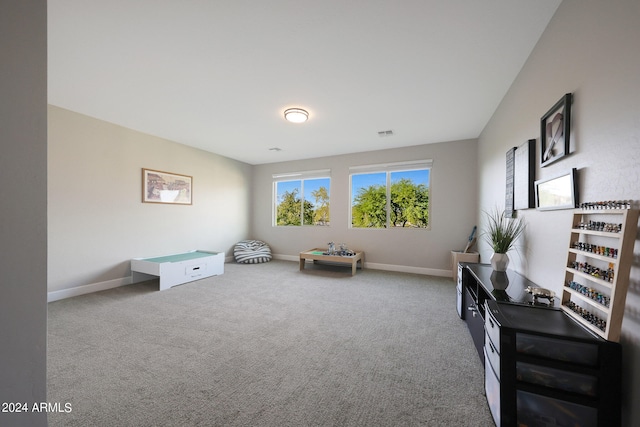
524	176
555	130
508	202
559	192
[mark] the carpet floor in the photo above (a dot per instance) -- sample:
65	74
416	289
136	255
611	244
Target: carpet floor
267	345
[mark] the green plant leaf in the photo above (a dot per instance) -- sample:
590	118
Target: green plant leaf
502	232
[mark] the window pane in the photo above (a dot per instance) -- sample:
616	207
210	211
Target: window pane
288	203
369	200
409	205
316	201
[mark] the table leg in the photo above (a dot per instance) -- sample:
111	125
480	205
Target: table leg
302	261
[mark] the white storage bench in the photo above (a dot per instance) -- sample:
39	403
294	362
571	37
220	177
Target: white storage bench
177	269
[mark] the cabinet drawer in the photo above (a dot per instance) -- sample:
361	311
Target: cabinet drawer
557	349
492	329
492	390
559	379
194	270
492	356
538	410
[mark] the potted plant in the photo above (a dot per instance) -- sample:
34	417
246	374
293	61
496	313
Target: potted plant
501	234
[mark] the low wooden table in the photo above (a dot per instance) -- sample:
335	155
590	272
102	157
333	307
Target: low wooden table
319	255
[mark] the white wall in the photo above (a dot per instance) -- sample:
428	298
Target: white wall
23	208
453	209
590	48
97	221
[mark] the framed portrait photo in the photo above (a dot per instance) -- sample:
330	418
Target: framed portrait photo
555	128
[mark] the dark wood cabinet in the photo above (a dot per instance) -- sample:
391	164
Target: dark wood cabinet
542	368
478	283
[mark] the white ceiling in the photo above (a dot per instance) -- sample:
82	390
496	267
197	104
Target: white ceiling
217	74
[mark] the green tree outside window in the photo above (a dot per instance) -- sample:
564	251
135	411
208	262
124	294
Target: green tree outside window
407	205
303	202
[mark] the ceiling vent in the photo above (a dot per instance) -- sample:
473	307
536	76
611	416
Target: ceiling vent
385	133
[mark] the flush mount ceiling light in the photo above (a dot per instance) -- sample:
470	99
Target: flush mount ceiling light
296	115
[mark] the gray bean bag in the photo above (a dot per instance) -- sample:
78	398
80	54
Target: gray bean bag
252	252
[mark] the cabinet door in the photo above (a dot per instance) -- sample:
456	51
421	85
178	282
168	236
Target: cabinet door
460	306
475	323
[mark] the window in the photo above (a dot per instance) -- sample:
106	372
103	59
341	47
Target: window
391	196
302	198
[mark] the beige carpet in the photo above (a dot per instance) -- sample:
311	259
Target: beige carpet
267	345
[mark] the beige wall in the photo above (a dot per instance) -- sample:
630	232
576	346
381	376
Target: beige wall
590	48
97	221
23	208
453	209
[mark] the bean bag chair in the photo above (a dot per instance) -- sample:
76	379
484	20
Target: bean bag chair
252	252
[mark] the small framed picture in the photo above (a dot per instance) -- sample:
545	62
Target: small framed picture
555	127
559	192
166	187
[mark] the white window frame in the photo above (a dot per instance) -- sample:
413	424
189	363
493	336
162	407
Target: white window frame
389	168
297	176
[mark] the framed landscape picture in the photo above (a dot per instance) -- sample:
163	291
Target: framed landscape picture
559	192
166	187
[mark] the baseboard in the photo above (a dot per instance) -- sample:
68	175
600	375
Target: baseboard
385	267
102	286
408	269
87	289
286	257
109	284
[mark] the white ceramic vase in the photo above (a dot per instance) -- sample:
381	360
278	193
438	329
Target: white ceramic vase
499	262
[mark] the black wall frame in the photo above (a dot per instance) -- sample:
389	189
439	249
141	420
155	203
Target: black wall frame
555	128
524	176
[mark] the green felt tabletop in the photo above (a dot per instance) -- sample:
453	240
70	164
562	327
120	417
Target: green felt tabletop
180	257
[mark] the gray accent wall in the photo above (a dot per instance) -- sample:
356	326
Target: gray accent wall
453	209
590	48
23	208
